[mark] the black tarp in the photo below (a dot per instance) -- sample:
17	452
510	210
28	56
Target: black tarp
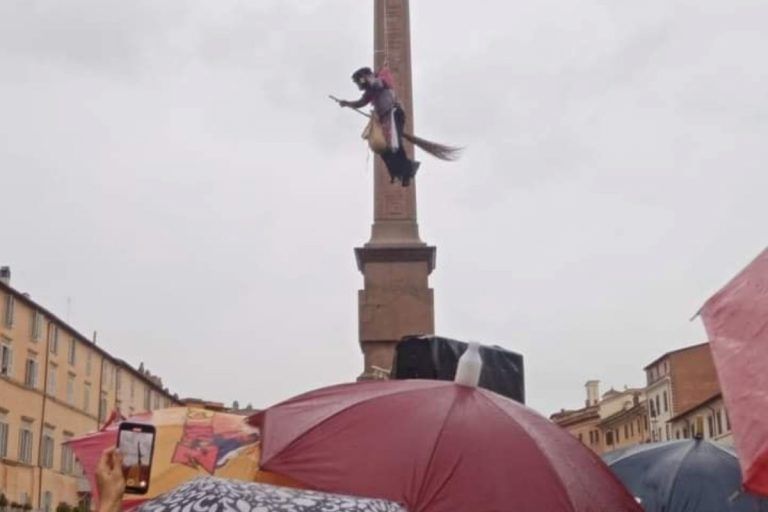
434	357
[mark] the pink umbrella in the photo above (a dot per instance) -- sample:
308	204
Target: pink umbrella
736	320
437	447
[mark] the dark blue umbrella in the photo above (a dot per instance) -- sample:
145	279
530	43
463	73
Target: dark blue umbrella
684	476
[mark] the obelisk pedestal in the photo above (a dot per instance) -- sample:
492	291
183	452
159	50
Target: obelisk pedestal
396	299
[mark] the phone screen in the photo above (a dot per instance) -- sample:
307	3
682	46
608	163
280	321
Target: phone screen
136	443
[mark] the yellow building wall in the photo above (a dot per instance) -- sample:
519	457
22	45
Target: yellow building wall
61	406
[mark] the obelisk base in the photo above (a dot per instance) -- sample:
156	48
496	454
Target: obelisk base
396	301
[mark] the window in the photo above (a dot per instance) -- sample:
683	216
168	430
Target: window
52	379
133	387
106	376
88	364
147	399
87	397
30	373
632	429
6	359
727	421
667	432
591	437
103	407
157	401
118	380
46	454
67	457
658	409
618	437
47	501
719	417
71	352
3	436
699	426
37	326
609	438
54	341
626	431
10	305
653	408
666	402
71	389
710	427
25	442
597	436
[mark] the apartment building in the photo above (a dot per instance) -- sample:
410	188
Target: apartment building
56	384
708	419
677	381
682	399
607	422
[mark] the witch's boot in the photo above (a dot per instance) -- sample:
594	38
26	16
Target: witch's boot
407	178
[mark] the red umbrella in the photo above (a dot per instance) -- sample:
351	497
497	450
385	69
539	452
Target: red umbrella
437	447
736	319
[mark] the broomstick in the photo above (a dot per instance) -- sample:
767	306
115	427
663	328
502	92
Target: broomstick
441	151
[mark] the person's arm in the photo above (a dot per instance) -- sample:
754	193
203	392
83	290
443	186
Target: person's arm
110	480
363	101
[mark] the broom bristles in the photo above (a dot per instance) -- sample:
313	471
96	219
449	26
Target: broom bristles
441	151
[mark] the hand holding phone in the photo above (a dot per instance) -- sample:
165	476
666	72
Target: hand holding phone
110	481
136	442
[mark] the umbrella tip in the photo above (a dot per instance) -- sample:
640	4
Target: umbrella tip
470	366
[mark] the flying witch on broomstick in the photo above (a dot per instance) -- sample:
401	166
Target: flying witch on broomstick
385	131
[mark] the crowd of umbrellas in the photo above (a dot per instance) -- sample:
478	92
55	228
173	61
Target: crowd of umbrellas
422	446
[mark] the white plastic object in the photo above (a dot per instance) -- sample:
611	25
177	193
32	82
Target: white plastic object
469	367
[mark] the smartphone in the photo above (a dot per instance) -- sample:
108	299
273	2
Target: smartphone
136	442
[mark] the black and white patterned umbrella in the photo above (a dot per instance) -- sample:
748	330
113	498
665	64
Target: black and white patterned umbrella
208	494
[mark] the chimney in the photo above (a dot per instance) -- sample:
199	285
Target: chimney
5	275
593	392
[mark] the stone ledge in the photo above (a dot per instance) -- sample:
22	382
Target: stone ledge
396	254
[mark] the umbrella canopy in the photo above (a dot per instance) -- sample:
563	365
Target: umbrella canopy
684	476
189	442
736	320
436	446
219	495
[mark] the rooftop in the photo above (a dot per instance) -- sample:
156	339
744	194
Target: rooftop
676	351
26	299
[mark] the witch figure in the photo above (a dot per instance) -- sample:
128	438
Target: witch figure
389	118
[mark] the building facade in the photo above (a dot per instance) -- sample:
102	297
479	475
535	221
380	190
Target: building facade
708	420
682	399
56	384
677	381
626	426
614	420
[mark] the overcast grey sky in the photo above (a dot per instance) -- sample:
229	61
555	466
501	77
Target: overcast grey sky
176	170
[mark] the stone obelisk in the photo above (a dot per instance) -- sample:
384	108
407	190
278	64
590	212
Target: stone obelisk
396	299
